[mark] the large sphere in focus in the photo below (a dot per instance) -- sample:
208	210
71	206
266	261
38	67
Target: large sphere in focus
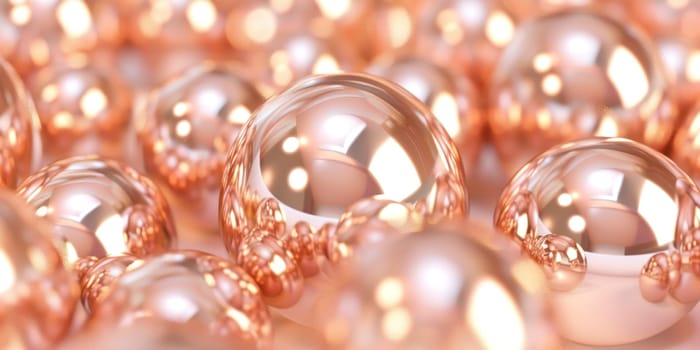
37	293
100	208
614	225
573	75
448	286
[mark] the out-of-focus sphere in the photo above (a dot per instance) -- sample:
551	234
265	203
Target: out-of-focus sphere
682	60
614	225
450	96
185	131
36	32
573	75
294	56
100	208
175	23
20	142
189	287
37	294
686	148
151	334
391	26
84	109
309	153
449	286
617	9
468	33
676	18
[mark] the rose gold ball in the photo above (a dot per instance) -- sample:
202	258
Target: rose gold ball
686	151
447	286
100	208
681	58
297	55
189	287
667	18
150	334
84	109
36	32
37	293
468	33
20	143
572	75
614	225
450	95
185	130
173	23
315	149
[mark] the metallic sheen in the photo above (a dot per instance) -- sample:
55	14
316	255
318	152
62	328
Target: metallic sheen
312	151
575	74
455	285
185	130
595	213
100	208
188	288
37	293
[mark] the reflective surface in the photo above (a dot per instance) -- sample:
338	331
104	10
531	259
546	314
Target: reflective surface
450	96
100	208
150	334
682	60
37	32
186	129
97	279
573	75
470	33
686	144
37	294
83	110
322	145
20	148
592	213
189	288
445	287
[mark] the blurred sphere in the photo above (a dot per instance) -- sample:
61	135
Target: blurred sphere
449	286
100	208
468	33
573	75
294	56
84	109
185	130
20	143
391	26
189	288
682	60
175	23
314	150
37	294
36	32
449	94
617	9
667	17
151	334
613	223
686	144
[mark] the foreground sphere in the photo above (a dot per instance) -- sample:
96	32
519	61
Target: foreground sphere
312	151
185	130
189	288
613	223
573	75
151	334
450	286
100	208
449	94
83	110
20	143
37	294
